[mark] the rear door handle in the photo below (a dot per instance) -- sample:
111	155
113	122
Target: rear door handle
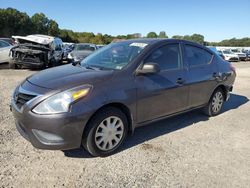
180	81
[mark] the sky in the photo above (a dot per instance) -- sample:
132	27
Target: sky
215	19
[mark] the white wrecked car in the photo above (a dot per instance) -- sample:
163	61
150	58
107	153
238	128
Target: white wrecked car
36	51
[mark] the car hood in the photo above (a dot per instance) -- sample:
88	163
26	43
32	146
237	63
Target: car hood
68	76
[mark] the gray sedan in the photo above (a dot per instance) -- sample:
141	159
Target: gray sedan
81	51
120	87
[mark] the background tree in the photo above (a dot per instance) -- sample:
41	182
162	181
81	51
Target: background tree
40	23
151	35
195	38
163	34
53	28
177	37
14	22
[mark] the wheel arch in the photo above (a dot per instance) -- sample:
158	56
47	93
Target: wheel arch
224	90
119	106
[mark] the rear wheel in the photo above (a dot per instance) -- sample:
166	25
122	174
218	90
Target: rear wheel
215	104
105	132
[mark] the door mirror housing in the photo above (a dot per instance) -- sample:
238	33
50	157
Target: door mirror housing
149	68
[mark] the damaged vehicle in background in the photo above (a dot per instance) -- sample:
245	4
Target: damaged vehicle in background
36	51
81	51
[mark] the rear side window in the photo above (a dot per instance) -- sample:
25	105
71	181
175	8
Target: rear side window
167	57
197	56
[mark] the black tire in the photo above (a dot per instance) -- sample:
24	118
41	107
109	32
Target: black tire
209	109
89	135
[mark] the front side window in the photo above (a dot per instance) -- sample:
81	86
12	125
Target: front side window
197	56
167	57
115	55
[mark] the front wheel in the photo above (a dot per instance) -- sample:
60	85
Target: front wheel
105	132
215	104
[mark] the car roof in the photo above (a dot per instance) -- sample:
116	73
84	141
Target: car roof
156	40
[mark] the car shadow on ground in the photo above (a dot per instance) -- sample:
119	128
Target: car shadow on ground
154	130
6	66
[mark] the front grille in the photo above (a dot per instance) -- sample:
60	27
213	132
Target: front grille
22	98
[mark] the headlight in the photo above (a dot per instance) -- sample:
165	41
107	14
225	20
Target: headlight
61	102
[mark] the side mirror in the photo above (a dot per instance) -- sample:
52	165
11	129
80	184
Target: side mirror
149	68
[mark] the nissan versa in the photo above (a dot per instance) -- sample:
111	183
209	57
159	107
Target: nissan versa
97	102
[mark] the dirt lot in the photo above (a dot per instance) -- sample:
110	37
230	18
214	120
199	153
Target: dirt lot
189	150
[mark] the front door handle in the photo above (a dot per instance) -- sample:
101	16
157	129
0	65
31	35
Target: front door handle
180	81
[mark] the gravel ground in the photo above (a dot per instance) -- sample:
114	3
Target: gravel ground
189	150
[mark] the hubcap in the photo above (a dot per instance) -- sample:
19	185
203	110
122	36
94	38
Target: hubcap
217	102
109	133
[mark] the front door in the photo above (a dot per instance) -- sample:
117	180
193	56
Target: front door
163	93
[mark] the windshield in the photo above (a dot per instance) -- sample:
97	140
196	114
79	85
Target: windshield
82	47
114	56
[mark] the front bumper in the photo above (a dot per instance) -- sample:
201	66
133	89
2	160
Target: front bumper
29	64
53	132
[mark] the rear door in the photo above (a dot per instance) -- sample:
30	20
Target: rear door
201	75
165	92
